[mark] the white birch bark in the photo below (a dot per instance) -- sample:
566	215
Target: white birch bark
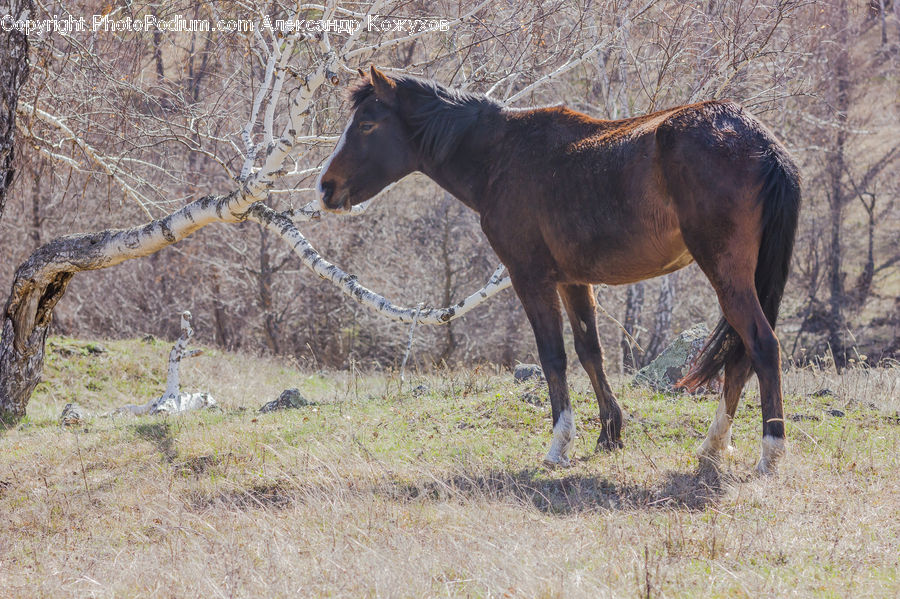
348	284
173	401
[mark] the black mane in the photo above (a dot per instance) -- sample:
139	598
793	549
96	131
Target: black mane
439	116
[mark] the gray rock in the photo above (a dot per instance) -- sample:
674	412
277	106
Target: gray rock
674	362
835	412
527	372
533	397
420	390
72	415
802	417
823	393
289	399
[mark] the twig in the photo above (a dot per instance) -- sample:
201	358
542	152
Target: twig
412	329
83	473
621	326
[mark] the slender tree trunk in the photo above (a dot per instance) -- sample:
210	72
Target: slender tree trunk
157	55
13	73
836	199
511	333
41	281
662	321
863	286
264	286
449	287
37	218
223	339
634	304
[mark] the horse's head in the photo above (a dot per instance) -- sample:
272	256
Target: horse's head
374	150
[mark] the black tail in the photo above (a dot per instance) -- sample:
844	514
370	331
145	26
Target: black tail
780	196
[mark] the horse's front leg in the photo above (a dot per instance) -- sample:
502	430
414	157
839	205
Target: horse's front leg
541	303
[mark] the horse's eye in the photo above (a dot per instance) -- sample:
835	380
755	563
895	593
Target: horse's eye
366	126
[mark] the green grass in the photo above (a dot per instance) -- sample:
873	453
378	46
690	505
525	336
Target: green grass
381	491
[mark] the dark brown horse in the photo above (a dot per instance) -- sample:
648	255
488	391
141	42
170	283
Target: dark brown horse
567	200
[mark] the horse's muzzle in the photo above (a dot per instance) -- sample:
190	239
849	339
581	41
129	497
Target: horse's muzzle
329	202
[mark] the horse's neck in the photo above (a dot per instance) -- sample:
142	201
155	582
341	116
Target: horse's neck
488	145
458	181
464	173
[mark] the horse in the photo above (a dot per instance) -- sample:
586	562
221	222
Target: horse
567	201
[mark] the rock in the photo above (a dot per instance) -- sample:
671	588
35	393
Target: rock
802	417
835	412
533	397
674	362
95	349
527	372
289	399
823	392
72	415
71	348
420	390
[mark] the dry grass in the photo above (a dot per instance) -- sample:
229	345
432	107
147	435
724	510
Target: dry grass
373	492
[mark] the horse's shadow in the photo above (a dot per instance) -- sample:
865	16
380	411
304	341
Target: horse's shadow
565	495
691	491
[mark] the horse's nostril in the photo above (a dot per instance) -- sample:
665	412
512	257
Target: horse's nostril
327	189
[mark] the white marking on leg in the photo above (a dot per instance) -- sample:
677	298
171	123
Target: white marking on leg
772	450
718	438
563	439
340	145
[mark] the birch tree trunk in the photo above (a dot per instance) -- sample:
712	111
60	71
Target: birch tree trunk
41	281
13	72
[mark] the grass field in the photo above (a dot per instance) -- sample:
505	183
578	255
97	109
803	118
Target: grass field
381	492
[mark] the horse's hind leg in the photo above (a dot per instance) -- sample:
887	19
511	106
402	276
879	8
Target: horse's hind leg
745	314
582	310
733	281
718	438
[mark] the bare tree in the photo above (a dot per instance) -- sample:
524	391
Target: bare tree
42	280
853	154
13	73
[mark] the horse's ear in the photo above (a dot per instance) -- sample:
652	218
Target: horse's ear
361	72
385	88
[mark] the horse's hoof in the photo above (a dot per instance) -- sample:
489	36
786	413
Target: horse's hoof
557	461
707	454
764	469
604	443
773	448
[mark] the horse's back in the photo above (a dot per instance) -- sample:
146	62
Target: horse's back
611	199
